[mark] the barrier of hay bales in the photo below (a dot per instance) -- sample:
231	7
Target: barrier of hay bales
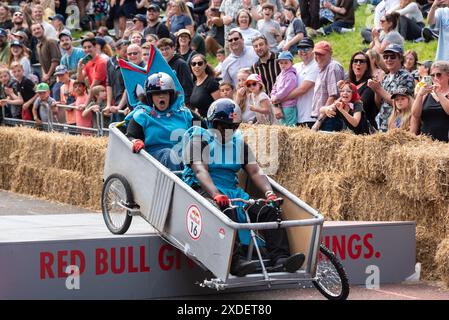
53	166
394	176
442	260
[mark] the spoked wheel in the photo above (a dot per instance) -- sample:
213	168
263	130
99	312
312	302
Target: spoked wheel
331	279
116	194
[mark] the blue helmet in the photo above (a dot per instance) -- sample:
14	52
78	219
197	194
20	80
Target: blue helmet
159	82
224	110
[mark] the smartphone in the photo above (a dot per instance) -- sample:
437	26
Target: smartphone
87	58
427	80
129	24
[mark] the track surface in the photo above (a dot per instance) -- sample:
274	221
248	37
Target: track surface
14	204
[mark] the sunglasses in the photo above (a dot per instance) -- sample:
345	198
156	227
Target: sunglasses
132	53
230	40
436	75
251	84
199	64
18	14
389	56
304	49
359	61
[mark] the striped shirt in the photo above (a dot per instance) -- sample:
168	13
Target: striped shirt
268	71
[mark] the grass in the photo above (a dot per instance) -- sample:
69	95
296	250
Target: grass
344	45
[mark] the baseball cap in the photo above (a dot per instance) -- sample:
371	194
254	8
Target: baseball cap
393	47
140	17
3	33
426	63
61	69
16	43
183	31
306	43
65	33
285	55
323	47
100	41
153	7
253	78
401	91
58	16
42	87
122	42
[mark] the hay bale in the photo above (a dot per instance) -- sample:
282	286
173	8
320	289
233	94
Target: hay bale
420	172
442	261
426	249
6	174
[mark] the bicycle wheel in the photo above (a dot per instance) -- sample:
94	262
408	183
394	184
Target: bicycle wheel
116	190
331	279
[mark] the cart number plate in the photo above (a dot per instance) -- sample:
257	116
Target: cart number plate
194	222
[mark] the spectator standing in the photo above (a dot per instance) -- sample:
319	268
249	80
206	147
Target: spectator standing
396	78
154	25
71	55
269	28
66	93
10	98
4	47
48	53
58	23
439	15
431	107
244	27
307	72
181	68
242	97
20	24
26	89
220	58
240	57
402	110
331	71
5	17
19	53
44	106
37	14
267	66
183	41
260	101
286	81
93	65
205	88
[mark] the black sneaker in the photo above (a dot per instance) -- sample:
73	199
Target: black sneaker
241	267
429	34
290	264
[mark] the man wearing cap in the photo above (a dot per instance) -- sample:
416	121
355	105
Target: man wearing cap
71	55
266	66
307	73
154	25
240	57
48	53
397	77
115	86
58	23
330	72
66	93
140	22
4	47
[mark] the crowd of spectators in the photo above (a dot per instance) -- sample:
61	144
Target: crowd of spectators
53	69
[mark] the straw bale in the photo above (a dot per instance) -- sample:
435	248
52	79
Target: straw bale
6	174
426	248
442	261
420	172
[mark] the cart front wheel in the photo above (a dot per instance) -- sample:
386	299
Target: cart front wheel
115	195
331	279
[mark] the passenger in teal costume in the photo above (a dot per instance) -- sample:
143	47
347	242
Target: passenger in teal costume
159	122
212	159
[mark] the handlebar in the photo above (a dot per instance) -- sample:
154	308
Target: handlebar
277	201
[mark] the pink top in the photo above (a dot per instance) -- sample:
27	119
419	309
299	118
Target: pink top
81	121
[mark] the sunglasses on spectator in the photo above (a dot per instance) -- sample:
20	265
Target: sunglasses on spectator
436	75
133	53
199	64
230	40
304	49
389	56
359	61
18	14
251	84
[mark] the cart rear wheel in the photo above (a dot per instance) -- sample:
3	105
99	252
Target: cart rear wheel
331	279
116	190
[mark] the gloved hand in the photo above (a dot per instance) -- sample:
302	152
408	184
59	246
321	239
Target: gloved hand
222	200
138	145
270	196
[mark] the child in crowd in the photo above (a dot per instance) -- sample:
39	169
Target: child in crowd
241	96
66	95
10	98
226	90
260	101
402	110
44	108
220	57
81	96
269	28
286	81
346	112
97	105
25	88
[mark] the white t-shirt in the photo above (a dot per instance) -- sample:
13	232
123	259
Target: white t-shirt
248	35
305	72
442	24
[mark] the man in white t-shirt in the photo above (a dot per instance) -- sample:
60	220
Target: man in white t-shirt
439	15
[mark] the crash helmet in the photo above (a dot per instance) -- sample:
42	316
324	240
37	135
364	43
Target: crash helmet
225	111
159	82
